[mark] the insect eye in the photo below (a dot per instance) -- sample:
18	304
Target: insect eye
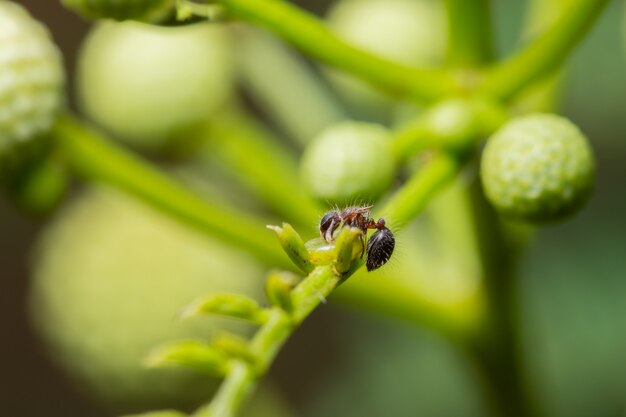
379	248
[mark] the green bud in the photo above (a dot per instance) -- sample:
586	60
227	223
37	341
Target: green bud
230	305
146	10
31	88
349	245
189	354
538	168
278	290
321	252
293	245
349	161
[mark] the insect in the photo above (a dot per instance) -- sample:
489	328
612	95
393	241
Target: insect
379	246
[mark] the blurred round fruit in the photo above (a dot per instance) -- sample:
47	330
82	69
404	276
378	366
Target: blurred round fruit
147	83
146	10
110	279
537	168
31	85
411	32
349	162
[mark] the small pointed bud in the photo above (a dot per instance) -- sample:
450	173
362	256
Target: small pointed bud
278	290
189	354
293	245
230	305
349	245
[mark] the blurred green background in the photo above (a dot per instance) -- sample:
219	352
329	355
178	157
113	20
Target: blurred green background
348	363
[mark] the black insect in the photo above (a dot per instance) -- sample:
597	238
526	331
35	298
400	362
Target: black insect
379	247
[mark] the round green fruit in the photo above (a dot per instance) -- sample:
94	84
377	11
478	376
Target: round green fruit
537	168
145	84
111	278
146	10
31	86
349	162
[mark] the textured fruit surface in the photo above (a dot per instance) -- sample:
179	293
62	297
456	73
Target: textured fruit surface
349	162
110	279
145	83
537	168
146	10
31	83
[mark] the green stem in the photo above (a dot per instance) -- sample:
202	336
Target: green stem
496	351
240	382
544	54
305	106
469	32
415	194
95	158
310	35
265	168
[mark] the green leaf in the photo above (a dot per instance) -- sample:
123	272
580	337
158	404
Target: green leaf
293	245
230	305
191	354
234	347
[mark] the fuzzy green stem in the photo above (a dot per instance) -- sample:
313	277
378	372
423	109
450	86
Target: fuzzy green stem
544	54
469	32
311	36
101	161
242	377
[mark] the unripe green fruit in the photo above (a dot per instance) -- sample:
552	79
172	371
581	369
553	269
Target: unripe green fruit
349	161
145	10
110	280
411	32
537	168
147	83
31	84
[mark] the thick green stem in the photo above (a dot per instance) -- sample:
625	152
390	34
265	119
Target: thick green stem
101	161
469	32
544	54
311	36
496	351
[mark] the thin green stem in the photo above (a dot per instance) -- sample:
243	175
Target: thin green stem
99	160
415	194
305	106
265	168
544	54
242	377
311	36
469	32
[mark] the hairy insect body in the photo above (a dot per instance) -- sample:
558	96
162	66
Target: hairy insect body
379	247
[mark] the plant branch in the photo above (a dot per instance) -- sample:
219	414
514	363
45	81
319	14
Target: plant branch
101	161
311	36
265	345
265	168
469	32
544	54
